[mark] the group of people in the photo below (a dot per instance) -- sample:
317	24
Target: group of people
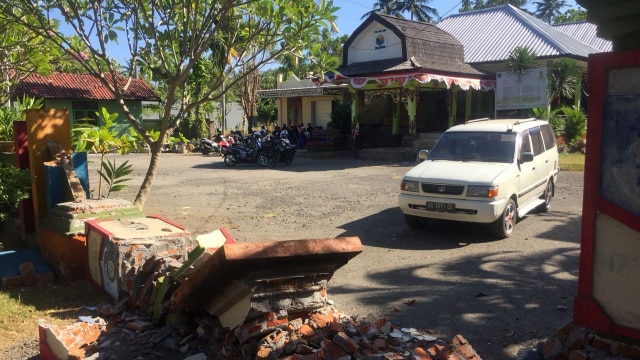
297	135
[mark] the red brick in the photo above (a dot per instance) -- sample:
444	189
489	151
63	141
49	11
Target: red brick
624	350
263	353
601	344
346	343
44	279
27	269
335	327
306	330
421	354
578	355
12	281
321	320
380	344
334	352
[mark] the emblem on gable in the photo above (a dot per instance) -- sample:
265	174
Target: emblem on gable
380	40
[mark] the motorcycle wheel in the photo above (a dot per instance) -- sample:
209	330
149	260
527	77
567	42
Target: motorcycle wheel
205	151
289	160
230	160
263	161
223	150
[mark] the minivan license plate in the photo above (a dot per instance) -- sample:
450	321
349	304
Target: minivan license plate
440	206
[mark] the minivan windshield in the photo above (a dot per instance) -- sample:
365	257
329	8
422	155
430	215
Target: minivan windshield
475	146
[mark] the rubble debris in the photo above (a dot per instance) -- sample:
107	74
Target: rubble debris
24	267
576	342
324	333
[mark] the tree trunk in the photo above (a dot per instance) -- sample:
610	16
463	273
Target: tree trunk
145	188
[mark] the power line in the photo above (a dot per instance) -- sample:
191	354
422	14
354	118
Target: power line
450	10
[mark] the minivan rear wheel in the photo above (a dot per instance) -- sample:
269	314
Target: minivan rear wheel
503	226
415	222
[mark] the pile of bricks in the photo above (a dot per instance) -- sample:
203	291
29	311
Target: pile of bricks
27	277
580	343
321	334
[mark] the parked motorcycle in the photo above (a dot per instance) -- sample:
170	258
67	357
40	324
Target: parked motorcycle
218	144
279	150
246	153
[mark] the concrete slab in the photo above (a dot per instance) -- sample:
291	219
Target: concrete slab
234	282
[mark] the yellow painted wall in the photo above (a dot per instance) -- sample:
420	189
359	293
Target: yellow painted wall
44	126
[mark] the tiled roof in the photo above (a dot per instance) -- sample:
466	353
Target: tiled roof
428	48
489	35
587	33
79	86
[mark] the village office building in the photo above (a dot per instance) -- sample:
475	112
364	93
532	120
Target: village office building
414	78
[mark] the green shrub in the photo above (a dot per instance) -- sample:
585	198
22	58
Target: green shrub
574	124
556	122
14	187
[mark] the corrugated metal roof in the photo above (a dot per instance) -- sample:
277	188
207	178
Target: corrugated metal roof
489	35
60	85
587	33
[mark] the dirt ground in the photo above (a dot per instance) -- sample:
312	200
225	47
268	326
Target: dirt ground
503	296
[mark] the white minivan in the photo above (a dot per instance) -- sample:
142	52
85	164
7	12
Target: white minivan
483	171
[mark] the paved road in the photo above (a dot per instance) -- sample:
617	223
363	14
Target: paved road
503	296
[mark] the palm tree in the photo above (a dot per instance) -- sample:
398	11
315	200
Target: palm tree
419	9
547	9
389	7
520	60
563	78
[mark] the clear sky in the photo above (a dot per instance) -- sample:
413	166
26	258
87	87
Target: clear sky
348	18
352	10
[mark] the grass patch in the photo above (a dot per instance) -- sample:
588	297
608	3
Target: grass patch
571	161
20	309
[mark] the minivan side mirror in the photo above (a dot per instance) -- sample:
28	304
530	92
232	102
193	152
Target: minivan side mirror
526	157
422	156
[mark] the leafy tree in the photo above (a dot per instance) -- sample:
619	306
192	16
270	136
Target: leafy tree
418	9
10	114
325	54
14	187
169	38
563	76
470	5
22	53
547	9
571	15
521	59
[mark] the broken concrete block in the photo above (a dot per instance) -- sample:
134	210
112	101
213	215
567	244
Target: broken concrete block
118	249
67	341
242	281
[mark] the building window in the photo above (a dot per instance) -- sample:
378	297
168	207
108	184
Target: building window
84	112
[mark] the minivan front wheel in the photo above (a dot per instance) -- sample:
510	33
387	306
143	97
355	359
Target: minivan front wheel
503	226
548	194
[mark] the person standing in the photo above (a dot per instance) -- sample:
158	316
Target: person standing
294	132
302	137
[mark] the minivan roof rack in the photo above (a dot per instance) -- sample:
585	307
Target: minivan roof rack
476	120
518	122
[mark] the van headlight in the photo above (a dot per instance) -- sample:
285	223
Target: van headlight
482	191
410	185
